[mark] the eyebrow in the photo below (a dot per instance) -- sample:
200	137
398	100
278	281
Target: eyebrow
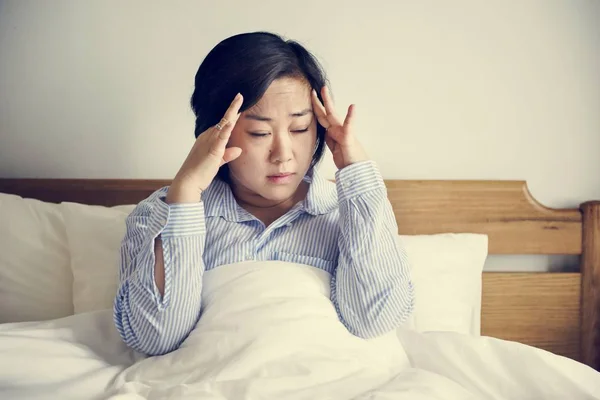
258	117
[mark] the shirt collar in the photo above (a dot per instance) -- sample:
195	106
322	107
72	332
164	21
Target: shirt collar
322	194
219	200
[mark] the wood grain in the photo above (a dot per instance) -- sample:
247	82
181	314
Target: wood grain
504	210
590	285
538	309
103	192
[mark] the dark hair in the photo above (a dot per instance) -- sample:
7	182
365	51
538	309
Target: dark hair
248	63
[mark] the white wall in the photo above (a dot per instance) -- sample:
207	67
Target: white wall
444	90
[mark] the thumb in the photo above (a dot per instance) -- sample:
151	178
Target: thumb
230	154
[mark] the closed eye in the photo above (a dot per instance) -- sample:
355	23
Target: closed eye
259	134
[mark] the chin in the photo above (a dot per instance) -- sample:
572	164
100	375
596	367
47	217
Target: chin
281	192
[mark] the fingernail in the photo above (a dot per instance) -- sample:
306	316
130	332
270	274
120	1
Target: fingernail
237	96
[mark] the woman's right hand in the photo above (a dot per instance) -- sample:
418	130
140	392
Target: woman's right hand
208	154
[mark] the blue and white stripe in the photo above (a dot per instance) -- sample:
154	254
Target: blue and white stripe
347	228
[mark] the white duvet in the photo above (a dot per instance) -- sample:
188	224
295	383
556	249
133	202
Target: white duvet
269	331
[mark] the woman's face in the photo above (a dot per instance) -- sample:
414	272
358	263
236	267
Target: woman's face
277	137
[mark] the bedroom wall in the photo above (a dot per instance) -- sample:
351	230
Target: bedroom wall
460	90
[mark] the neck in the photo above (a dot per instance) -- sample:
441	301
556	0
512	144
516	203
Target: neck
265	209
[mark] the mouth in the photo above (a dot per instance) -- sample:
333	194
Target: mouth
281	178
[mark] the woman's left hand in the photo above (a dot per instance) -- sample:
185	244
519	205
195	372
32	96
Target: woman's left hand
339	137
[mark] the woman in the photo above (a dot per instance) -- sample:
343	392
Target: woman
249	190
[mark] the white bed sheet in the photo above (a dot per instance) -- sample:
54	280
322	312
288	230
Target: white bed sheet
74	357
81	357
260	340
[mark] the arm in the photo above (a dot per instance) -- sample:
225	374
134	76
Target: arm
371	288
152	319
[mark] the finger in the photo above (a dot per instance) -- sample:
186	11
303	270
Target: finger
229	118
328	102
349	116
233	112
224	128
219	142
221	137
230	154
319	110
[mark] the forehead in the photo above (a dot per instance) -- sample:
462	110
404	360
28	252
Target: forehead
285	95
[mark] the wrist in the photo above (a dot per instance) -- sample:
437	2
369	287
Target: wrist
357	179
179	193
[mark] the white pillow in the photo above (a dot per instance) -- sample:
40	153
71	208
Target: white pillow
94	235
446	268
446	271
35	277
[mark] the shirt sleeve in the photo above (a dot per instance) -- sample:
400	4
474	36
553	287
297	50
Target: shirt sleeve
147	321
371	288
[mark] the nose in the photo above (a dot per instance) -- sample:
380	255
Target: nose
281	149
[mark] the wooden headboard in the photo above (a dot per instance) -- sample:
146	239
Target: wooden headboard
559	312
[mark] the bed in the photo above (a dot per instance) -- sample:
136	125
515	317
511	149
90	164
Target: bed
554	315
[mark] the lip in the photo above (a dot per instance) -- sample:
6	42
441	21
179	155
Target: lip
282	178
